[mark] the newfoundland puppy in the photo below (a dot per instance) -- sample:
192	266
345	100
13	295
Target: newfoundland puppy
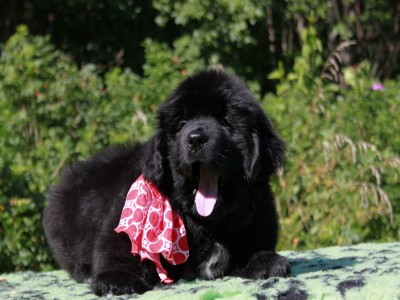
192	202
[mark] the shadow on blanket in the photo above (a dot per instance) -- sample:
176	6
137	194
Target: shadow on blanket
302	266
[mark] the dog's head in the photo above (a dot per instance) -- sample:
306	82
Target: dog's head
212	139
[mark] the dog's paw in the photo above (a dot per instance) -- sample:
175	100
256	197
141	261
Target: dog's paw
267	264
118	282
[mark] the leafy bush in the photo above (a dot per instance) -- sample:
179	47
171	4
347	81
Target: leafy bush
340	183
54	113
339	186
249	35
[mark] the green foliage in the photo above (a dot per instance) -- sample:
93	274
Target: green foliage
53	113
340	183
250	36
223	32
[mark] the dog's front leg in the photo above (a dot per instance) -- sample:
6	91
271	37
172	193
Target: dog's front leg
116	271
216	264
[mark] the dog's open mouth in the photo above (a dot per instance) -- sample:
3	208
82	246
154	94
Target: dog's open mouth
206	190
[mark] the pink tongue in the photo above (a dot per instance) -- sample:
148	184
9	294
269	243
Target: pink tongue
206	195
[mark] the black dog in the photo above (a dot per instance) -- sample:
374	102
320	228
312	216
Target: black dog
212	138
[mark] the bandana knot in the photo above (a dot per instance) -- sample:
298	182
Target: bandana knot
153	228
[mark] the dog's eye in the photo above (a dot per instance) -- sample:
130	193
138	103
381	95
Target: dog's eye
181	123
224	122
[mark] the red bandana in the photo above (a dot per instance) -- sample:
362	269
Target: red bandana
153	228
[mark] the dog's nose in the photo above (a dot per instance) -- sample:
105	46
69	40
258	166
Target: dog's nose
197	139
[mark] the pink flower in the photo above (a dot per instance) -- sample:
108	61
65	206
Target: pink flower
377	87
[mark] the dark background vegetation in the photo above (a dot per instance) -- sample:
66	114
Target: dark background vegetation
81	75
250	36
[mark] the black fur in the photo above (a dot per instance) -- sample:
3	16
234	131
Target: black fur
210	119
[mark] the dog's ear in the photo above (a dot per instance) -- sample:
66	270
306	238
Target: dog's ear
154	166
265	153
252	157
275	152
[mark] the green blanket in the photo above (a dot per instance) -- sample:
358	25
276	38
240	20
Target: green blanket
367	271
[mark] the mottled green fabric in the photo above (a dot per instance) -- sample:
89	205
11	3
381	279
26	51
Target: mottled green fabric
367	271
